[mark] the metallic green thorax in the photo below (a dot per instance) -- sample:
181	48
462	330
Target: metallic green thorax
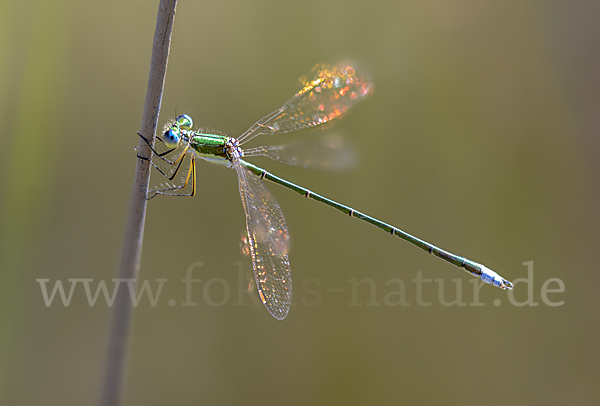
209	145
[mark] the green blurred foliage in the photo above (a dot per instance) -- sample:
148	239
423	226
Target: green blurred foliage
481	137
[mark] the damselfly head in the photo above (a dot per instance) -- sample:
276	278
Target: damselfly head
172	135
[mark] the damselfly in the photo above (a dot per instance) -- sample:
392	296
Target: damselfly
328	96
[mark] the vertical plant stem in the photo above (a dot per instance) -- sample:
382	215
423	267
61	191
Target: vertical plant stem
115	372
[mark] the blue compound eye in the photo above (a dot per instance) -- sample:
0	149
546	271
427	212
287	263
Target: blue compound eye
171	138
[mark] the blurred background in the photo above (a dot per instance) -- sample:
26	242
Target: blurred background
480	137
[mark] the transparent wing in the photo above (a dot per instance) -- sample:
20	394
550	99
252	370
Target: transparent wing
268	241
329	95
329	152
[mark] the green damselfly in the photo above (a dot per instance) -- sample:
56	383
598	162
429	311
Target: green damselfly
328	96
